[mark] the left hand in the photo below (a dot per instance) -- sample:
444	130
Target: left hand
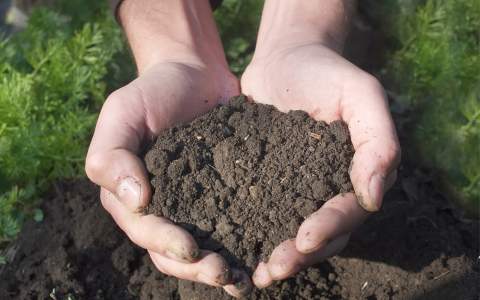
316	79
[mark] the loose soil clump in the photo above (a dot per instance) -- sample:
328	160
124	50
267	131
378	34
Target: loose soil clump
243	177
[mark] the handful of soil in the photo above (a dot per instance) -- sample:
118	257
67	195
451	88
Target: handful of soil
243	177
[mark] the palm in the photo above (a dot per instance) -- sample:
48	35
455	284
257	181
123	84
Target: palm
309	78
317	80
171	93
164	95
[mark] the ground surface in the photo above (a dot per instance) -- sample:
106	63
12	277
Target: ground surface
243	177
417	247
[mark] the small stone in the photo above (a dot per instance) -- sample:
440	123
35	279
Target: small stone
253	192
304	207
205	225
176	168
224	228
227	131
260	235
210	202
320	189
242	193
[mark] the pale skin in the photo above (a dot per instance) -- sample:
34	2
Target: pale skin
183	73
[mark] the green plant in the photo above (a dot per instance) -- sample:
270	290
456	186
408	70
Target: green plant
51	87
437	73
238	23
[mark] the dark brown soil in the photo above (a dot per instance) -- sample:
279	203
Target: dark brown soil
243	177
417	247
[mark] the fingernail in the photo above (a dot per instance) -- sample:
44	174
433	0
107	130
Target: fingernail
261	278
375	190
194	253
220	280
129	192
225	277
182	254
308	245
175	256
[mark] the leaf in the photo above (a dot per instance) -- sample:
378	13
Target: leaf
53	79
436	72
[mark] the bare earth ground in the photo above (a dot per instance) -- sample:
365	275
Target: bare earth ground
418	247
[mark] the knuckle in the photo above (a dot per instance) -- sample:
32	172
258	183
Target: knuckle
370	82
393	154
119	98
94	165
371	85
115	96
111	99
281	270
138	238
104	198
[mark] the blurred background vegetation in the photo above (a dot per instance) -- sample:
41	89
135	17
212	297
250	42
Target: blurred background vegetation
56	72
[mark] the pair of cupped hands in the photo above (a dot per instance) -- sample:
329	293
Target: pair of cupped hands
309	77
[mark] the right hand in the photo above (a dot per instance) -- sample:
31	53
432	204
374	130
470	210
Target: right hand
165	94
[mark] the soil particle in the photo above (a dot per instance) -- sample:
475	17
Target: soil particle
251	179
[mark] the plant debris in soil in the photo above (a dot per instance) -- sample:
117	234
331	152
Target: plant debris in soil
243	177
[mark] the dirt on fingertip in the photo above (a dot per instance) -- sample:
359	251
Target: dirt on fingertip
243	177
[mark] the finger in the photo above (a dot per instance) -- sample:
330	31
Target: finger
261	278
286	261
123	174
241	284
111	160
373	134
338	216
210	268
162	235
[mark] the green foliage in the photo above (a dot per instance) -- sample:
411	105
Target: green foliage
437	73
51	87
238	23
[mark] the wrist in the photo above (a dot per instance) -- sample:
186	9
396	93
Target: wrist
289	23
171	31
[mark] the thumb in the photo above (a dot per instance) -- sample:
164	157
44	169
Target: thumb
377	151
122	173
111	160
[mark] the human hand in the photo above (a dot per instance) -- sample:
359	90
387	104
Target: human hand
173	86
298	73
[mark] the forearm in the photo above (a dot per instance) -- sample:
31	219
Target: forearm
162	30
304	22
